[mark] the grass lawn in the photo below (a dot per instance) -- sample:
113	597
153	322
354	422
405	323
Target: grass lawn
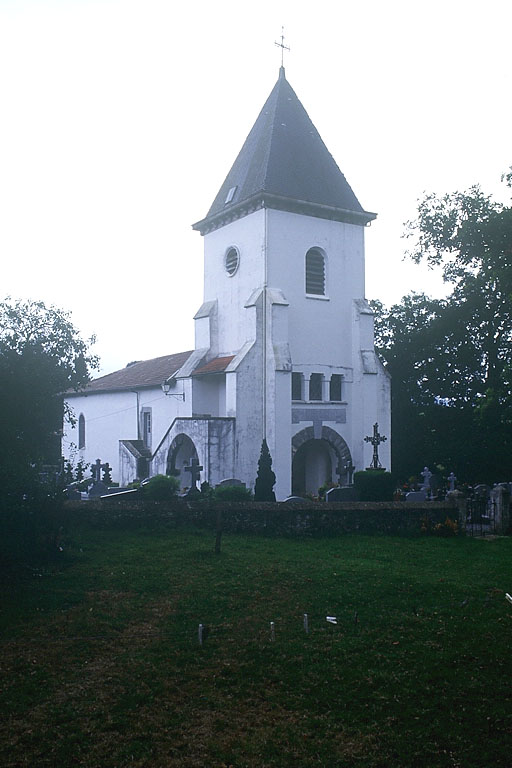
101	664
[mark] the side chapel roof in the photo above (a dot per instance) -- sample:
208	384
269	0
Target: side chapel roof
143	373
284	164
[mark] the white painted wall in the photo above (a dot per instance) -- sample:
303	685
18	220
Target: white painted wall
319	327
232	293
112	416
108	417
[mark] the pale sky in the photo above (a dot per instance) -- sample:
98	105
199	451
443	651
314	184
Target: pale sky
119	120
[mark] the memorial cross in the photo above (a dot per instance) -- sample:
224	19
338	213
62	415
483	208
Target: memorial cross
349	469
96	470
107	477
426	475
376	439
195	470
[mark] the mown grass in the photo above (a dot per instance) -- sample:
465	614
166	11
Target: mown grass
101	664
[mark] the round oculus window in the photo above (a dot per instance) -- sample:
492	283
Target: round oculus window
231	261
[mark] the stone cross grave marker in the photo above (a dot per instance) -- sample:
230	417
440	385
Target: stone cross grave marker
96	471
195	471
426	475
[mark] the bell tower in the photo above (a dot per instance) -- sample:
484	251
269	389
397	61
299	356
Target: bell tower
284	301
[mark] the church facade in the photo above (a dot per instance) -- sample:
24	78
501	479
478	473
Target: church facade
284	347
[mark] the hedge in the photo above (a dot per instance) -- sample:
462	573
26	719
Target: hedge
275	519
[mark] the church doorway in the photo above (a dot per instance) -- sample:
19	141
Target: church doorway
181	452
312	467
318	459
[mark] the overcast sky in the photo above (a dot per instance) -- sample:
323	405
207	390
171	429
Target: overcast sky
121	118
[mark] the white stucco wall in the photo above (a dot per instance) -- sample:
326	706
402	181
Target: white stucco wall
319	327
107	417
232	292
112	416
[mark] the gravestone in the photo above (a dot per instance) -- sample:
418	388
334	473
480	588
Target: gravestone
73	492
230	481
98	489
482	491
345	493
451	481
416	496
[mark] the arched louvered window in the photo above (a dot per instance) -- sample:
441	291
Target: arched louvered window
315	272
81	431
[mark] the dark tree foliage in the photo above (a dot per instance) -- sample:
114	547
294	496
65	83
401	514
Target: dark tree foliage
450	358
41	357
266	479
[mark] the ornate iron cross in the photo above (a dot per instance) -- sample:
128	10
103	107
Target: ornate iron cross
376	439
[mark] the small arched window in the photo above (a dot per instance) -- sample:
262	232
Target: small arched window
81	431
315	272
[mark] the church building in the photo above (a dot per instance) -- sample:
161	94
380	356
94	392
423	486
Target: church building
284	343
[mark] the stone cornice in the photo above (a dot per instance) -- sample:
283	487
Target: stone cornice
280	203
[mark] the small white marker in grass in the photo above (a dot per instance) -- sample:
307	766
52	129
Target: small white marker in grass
331	619
509	597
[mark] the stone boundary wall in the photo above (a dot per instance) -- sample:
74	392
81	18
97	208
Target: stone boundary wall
274	519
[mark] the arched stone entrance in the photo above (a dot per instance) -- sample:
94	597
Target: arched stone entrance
181	451
317	461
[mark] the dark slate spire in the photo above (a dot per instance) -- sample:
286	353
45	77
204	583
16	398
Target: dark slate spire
284	164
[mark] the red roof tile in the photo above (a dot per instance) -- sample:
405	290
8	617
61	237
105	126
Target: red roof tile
217	365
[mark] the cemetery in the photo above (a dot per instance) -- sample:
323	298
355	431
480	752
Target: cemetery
341	631
144	647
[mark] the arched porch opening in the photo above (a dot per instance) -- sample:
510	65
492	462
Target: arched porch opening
316	461
181	451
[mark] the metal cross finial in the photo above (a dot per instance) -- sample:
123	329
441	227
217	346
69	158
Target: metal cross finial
282	46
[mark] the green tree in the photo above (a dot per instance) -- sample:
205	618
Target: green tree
449	359
266	479
41	356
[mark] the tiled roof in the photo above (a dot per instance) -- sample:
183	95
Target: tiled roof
145	373
284	161
217	365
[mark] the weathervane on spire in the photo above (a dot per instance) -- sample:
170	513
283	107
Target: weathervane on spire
282	46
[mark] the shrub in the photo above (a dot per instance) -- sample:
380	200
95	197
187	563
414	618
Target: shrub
266	479
374	485
31	522
160	488
232	493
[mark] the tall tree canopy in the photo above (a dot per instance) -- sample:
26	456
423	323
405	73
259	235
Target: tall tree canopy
450	358
41	356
